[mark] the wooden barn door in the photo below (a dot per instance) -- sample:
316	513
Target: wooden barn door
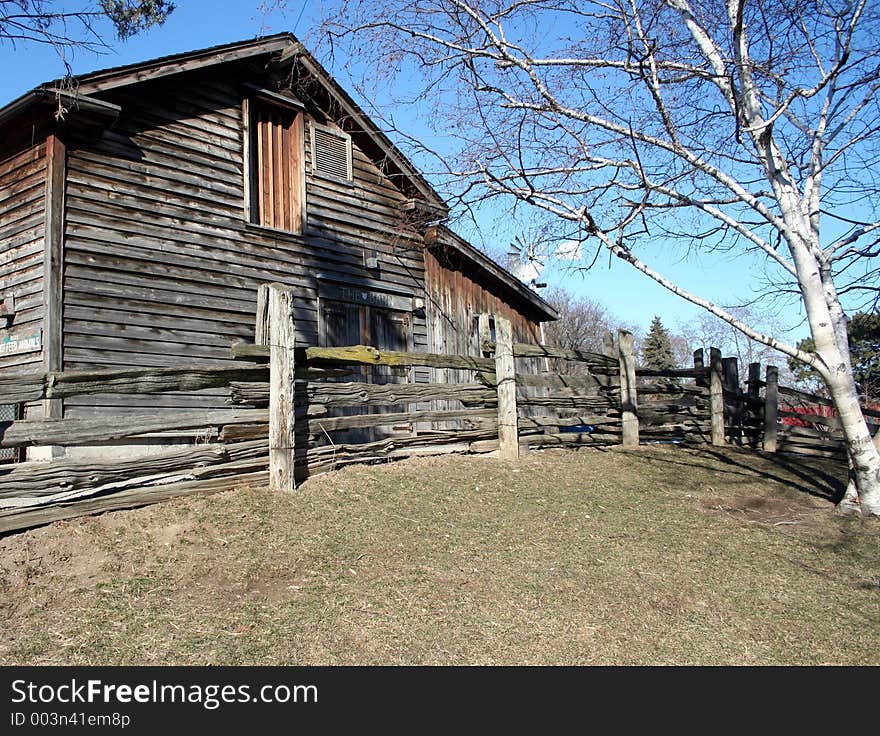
343	323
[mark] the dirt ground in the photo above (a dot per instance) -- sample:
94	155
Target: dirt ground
660	555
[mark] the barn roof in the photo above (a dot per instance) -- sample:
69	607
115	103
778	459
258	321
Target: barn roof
82	95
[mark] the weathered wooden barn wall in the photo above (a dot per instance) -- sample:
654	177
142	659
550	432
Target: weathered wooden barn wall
454	299
22	245
160	265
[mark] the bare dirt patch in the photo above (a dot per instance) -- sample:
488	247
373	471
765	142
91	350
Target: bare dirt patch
657	555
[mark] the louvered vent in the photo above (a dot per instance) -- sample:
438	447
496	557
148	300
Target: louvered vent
331	152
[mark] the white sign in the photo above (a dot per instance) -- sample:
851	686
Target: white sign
26	344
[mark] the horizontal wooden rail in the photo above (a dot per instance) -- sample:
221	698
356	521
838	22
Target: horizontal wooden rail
366	355
62	478
533	350
211	479
672	372
366	394
484	418
34	386
359	421
71	432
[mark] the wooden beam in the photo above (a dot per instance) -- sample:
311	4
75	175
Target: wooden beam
753	405
505	373
485	333
608	347
628	396
33	386
356	421
282	379
63	479
186	62
53	266
231	475
66	432
365	394
671	372
366	355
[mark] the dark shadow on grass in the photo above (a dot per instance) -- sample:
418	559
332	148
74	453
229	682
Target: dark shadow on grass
812	479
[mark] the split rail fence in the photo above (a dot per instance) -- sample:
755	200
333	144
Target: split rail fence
293	413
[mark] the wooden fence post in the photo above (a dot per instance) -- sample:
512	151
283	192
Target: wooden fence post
699	364
730	368
771	408
282	373
505	374
716	396
628	397
754	397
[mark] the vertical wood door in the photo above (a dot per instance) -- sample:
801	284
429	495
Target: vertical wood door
360	324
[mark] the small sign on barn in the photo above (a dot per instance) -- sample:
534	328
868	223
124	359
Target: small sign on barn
25	344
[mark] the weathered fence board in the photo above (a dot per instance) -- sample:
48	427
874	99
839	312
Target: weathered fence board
240	474
481	417
31	387
366	355
362	394
41	478
73	432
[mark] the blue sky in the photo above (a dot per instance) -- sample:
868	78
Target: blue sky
632	297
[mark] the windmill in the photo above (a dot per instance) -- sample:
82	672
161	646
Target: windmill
527	257
525	262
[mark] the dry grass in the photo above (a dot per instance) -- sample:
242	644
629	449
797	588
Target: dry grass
654	556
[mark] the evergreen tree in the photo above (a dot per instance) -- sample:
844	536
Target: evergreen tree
864	353
864	348
804	374
657	348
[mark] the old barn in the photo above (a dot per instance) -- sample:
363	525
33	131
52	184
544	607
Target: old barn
141	207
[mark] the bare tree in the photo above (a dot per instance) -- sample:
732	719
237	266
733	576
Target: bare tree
582	325
708	331
747	125
76	25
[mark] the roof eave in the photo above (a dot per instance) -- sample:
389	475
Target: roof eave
445	237
65	100
175	64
